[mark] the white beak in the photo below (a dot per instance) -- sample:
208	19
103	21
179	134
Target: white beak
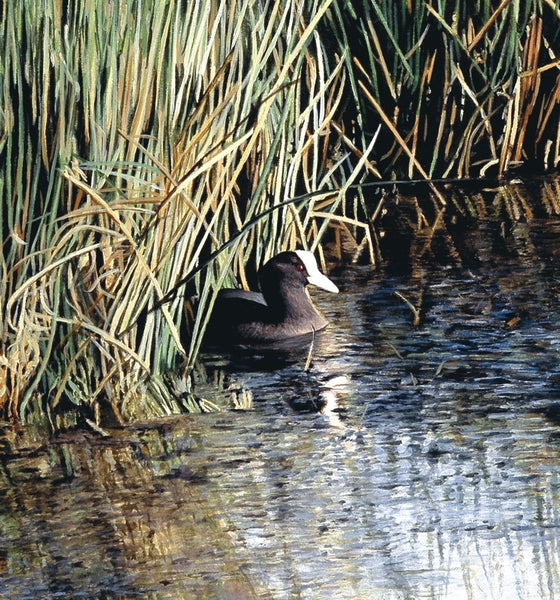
315	277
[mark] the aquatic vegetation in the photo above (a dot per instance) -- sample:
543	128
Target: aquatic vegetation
150	150
463	89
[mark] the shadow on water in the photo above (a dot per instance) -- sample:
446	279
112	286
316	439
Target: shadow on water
408	462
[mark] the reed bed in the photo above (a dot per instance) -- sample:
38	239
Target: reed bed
462	89
150	151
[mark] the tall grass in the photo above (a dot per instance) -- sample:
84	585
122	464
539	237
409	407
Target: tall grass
143	141
151	150
462	89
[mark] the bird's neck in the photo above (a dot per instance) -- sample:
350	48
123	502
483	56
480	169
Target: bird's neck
290	303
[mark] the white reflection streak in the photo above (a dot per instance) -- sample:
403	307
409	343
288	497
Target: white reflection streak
330	396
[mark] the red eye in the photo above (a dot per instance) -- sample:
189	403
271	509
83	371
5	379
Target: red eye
300	267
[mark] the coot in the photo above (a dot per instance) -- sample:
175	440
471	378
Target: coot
281	311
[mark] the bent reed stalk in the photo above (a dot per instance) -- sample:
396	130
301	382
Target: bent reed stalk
150	150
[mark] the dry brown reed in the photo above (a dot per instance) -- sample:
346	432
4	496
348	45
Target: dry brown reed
462	89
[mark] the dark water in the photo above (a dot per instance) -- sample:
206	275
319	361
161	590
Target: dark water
409	463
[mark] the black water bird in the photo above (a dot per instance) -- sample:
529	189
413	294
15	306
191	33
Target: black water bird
281	311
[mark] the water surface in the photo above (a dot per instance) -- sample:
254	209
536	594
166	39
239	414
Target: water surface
410	462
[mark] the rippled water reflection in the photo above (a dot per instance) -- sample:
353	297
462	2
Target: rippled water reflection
410	462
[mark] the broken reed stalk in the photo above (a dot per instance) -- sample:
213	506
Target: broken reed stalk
309	359
415	311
